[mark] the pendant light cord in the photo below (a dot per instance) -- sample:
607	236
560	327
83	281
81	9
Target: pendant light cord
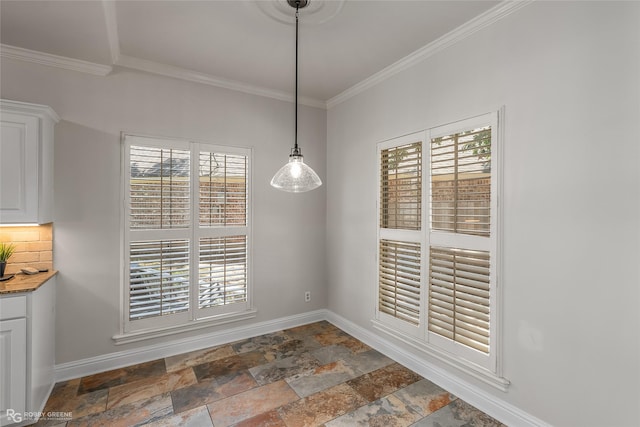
296	150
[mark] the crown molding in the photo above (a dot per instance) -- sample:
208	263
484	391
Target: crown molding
124	61
465	30
30	109
208	79
489	17
13	52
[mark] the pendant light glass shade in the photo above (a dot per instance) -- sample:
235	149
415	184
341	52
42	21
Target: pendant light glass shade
295	176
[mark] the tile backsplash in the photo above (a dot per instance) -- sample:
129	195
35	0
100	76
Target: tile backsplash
34	247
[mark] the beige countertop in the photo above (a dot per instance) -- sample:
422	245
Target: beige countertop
25	282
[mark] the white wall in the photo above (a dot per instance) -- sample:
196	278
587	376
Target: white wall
568	74
288	230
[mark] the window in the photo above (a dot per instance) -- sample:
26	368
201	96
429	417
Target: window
438	242
460	239
186	239
400	232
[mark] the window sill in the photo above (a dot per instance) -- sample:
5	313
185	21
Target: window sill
146	334
477	372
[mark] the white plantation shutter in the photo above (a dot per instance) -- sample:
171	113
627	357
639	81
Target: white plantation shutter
158	237
223	271
223	189
399	280
400	233
159	278
401	187
187	240
223	249
462	239
459	298
159	188
437	262
461	182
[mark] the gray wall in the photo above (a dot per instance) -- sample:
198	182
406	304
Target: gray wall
288	230
568	74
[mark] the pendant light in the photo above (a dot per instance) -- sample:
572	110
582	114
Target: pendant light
296	176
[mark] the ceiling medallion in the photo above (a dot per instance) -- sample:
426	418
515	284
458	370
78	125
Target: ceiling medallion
316	12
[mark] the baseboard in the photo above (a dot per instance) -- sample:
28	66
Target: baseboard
94	365
487	403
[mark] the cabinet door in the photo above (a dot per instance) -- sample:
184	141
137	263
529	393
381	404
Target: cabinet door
13	370
19	168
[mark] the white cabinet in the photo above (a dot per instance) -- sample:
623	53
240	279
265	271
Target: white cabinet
13	368
27	352
26	163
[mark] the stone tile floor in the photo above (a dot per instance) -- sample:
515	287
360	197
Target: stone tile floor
312	375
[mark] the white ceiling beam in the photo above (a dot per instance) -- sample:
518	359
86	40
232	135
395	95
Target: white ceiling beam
111	22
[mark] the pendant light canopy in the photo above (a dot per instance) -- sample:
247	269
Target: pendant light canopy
296	176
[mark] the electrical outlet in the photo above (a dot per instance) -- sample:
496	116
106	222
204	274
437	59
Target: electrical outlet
307	296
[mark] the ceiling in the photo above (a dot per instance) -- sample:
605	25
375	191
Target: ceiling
248	45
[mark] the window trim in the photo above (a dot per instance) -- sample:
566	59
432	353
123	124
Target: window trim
195	318
490	372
